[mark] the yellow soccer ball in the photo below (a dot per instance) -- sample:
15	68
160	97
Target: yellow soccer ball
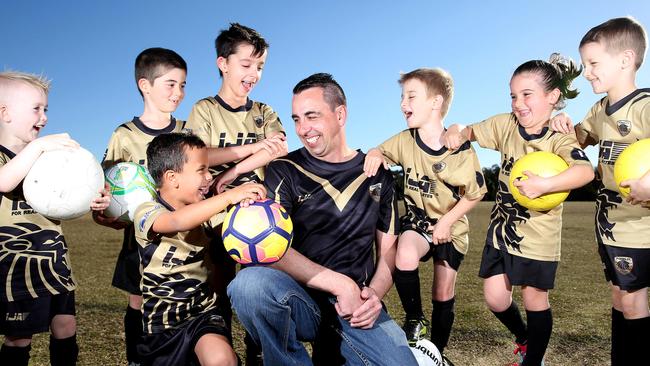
633	163
544	164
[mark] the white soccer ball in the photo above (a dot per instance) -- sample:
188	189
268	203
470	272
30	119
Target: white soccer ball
426	353
130	186
62	183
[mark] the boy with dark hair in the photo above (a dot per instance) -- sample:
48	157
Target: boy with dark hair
611	53
38	289
181	320
160	77
441	186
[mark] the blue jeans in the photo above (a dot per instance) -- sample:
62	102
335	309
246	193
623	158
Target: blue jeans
279	314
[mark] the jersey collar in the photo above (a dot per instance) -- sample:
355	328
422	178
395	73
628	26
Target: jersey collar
244	108
611	109
8	152
151	131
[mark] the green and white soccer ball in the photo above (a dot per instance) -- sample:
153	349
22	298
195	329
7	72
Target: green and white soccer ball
130	185
62	183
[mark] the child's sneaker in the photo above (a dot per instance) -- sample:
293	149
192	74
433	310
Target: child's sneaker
415	330
521	349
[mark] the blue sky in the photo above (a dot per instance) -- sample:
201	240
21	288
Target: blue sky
88	48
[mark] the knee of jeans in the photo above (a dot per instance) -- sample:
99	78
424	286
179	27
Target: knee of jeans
249	286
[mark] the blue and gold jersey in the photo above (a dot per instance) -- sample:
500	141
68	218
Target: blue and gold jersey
335	210
614	127
174	277
33	253
513	227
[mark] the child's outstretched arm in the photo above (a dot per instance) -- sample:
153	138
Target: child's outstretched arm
195	214
639	189
12	173
374	159
456	135
221	155
561	122
574	177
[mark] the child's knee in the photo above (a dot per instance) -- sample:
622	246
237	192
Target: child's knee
63	326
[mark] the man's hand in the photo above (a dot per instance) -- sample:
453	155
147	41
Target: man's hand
348	298
366	315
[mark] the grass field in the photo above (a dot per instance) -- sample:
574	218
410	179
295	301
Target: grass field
580	301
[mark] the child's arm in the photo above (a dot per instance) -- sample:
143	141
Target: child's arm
195	214
456	135
257	160
574	177
221	155
12	173
441	231
374	159
639	189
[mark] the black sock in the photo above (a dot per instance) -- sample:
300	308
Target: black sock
132	333
637	331
64	352
619	342
540	326
18	356
442	319
407	284
511	318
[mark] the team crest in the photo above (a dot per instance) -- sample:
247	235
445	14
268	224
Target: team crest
439	166
623	265
624	127
259	121
375	191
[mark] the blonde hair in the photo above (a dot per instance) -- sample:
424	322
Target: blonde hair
9	79
437	82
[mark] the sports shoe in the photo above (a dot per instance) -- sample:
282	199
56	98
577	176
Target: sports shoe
521	350
415	330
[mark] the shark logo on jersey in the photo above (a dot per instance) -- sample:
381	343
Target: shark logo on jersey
605	199
624	127
375	191
439	166
505	217
623	265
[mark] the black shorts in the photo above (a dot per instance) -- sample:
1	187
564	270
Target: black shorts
445	251
520	271
127	271
176	346
23	318
627	268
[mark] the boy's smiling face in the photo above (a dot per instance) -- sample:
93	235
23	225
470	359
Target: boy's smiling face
602	68
193	182
416	104
167	91
24	111
241	70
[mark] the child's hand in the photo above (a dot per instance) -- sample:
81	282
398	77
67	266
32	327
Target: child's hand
112	222
561	122
453	138
440	232
639	189
374	159
532	187
222	180
101	203
245	194
54	142
274	145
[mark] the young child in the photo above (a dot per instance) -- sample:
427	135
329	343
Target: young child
160	77
181	320
440	187
611	53
523	246
38	288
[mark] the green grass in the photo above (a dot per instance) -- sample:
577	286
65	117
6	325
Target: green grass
580	301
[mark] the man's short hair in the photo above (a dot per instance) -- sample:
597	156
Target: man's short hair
167	152
332	91
9	80
437	82
154	62
230	39
620	34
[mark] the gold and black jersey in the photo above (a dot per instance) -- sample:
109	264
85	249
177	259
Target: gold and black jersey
336	210
220	125
435	180
34	258
129	144
613	128
514	228
174	277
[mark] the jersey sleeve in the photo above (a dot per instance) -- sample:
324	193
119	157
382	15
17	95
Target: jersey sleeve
278	185
388	214
144	218
391	149
568	149
586	132
272	123
199	121
114	151
468	174
487	132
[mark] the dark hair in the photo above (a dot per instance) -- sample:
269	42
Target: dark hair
619	34
559	73
332	91
167	152
229	39
437	82
153	62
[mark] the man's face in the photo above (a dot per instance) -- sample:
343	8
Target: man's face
319	128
